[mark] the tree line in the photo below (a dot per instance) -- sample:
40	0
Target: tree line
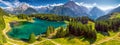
53	17
75	28
78	28
108	25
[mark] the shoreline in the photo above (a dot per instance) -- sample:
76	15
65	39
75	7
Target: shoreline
8	28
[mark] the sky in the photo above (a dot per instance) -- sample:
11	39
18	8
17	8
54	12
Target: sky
101	2
40	3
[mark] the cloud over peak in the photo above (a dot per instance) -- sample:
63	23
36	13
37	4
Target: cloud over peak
17	3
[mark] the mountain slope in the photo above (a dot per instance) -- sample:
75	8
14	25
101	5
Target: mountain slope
45	9
115	10
30	11
60	10
71	9
96	12
110	16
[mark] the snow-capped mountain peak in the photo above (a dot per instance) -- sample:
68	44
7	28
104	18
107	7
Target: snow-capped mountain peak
23	6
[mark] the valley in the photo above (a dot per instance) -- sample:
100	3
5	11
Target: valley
101	39
67	23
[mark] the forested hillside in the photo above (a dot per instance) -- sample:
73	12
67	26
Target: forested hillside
2	24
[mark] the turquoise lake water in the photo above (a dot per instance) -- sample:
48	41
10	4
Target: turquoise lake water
38	27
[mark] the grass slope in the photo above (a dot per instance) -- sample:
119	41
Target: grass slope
115	15
114	41
72	40
2	26
110	16
45	43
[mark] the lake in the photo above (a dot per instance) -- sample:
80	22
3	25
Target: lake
38	27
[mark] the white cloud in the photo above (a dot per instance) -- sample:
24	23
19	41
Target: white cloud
94	4
6	3
79	3
104	8
16	3
109	7
86	5
56	4
45	5
118	5
89	6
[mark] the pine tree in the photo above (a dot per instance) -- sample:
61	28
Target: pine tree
48	32
51	28
61	33
32	38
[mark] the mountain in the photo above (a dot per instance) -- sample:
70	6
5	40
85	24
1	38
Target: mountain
115	10
45	9
60	10
114	13
110	16
96	12
21	9
70	9
30	11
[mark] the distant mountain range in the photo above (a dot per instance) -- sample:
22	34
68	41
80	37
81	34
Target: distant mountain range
114	13
117	9
68	9
22	9
110	16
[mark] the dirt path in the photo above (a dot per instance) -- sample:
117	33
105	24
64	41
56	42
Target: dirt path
54	42
19	42
10	40
37	42
7	28
11	43
4	33
106	39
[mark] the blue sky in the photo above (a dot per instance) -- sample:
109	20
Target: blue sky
8	3
101	2
36	2
44	2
